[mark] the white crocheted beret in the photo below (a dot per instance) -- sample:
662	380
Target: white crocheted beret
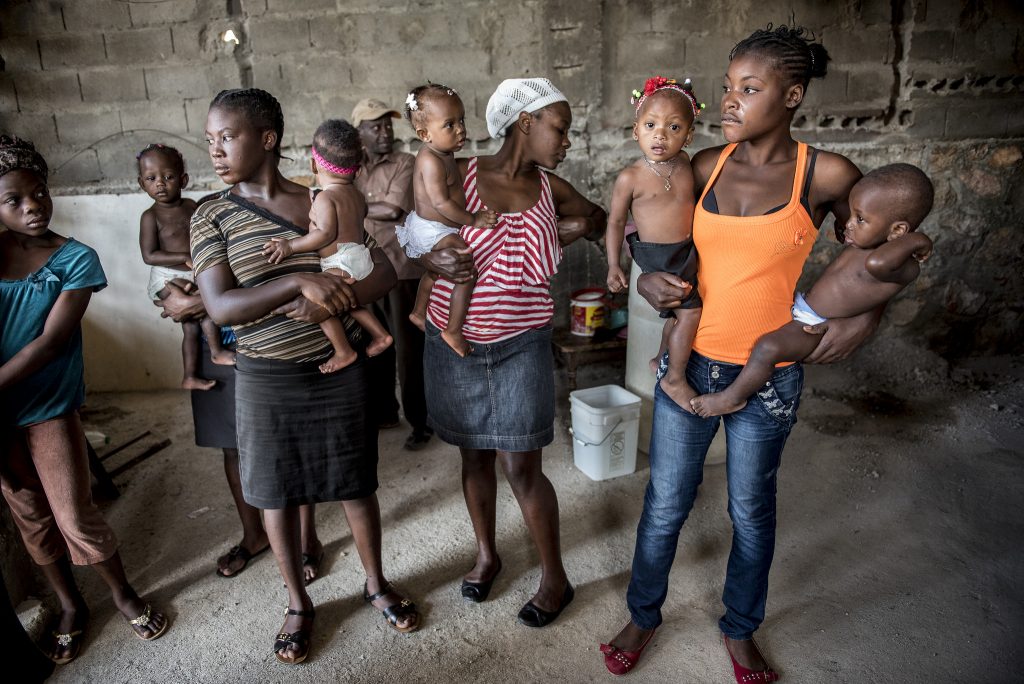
516	95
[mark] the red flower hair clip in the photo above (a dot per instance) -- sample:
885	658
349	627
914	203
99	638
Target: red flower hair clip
656	83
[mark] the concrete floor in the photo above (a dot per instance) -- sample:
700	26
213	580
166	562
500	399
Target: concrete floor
898	557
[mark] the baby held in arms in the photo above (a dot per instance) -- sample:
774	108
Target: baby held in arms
882	256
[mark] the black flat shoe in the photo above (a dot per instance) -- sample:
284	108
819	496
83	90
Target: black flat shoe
477	592
532	616
418	439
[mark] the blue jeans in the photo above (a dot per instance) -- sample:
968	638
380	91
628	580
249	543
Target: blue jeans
680	440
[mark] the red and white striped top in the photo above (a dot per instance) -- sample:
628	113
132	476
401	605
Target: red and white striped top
514	262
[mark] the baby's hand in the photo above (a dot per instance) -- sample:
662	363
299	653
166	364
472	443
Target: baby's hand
188	262
617	280
277	250
923	252
485	218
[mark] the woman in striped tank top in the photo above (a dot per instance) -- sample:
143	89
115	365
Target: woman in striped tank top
497	403
761	200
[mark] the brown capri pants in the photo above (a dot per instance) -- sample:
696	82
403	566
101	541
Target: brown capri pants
46	483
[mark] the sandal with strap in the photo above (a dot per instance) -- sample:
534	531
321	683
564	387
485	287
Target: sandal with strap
144	620
396	611
747	676
239	552
620	662
299	637
70	643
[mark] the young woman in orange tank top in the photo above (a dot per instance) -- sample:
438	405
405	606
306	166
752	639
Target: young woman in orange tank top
761	201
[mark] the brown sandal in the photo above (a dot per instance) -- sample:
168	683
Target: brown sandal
395	611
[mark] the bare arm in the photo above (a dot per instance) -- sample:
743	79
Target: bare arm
384	211
581	217
834	177
323	230
897	261
229	304
622	198
149	244
369	289
842	336
61	323
179	305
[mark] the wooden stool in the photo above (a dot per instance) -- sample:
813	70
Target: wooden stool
573	349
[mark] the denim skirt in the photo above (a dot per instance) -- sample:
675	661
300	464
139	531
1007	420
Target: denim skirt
303	437
501	396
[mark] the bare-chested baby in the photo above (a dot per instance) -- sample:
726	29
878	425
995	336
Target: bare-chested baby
163	239
882	256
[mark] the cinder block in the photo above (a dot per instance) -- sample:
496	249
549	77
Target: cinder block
991	48
334	32
824	94
70	166
139	46
868	85
301	120
30	19
867	44
8	98
929	120
664	54
72	50
41	129
253	8
163	115
266	74
84	15
112	85
875	12
20	54
977	119
46	91
932	45
196	110
270	36
187	41
167	12
314	74
87	127
191	82
300	5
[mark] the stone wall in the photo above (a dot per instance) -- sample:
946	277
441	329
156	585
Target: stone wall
939	83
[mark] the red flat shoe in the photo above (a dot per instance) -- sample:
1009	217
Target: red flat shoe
746	676
620	662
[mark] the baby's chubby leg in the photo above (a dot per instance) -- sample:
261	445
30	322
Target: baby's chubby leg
680	343
190	358
788	343
344	354
459	305
380	338
666	331
418	316
218	354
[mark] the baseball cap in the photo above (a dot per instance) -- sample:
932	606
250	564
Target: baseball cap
371	109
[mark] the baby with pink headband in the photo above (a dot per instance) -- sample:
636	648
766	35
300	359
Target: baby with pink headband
336	234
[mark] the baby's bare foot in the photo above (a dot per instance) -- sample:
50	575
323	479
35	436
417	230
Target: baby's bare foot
224	357
716	404
337	362
457	342
194	383
419	320
676	387
379	344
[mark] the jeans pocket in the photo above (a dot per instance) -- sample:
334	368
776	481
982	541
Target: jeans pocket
780	397
431	330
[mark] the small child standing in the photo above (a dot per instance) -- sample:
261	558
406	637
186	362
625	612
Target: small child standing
438	116
46	282
657	190
336	234
882	256
164	241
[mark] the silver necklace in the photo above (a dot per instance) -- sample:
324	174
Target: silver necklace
667	179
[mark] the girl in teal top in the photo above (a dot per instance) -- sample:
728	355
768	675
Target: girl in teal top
46	282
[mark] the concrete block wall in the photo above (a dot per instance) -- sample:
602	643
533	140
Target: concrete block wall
936	81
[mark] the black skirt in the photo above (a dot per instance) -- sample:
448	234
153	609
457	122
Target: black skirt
213	410
303	437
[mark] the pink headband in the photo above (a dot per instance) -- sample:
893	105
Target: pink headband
328	166
653	85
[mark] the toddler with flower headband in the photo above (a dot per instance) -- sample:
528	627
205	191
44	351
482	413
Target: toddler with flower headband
438	116
164	242
658	190
336	234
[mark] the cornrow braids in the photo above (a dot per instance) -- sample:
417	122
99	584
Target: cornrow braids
338	142
419	96
793	49
167	150
262	109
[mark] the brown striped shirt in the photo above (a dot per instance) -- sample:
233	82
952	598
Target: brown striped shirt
230	230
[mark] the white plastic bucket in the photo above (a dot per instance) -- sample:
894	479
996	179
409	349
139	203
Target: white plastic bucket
605	423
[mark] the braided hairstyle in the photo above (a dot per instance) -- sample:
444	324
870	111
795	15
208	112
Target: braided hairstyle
170	152
793	50
337	141
260	107
420	96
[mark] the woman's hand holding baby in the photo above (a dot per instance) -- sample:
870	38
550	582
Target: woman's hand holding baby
450	263
332	292
663	290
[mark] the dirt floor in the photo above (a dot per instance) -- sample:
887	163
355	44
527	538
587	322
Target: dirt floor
898	558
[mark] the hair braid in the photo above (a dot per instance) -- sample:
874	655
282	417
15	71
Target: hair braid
262	109
793	50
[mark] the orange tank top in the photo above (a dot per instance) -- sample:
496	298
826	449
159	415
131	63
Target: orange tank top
748	268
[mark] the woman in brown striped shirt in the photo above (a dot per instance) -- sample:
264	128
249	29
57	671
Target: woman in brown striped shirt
303	436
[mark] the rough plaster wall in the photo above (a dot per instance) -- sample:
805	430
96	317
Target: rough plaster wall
937	83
